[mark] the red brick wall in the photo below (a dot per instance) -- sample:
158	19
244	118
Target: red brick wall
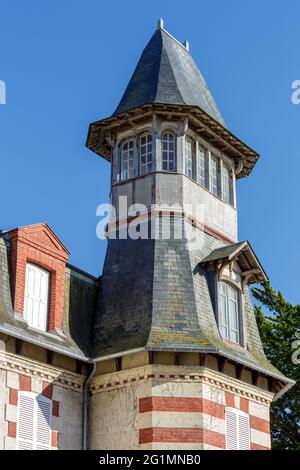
39	245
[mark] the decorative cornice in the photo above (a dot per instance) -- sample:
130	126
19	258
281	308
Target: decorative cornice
57	376
160	374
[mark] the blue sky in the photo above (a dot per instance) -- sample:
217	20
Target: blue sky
66	63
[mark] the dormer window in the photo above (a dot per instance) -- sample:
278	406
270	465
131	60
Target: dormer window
145	154
234	268
127	159
168	152
229	312
36	297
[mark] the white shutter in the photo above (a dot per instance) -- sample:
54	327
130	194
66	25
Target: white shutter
43	423
237	430
36	297
34	422
231	430
244	431
25	421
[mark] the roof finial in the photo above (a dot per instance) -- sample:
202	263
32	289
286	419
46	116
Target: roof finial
187	45
160	24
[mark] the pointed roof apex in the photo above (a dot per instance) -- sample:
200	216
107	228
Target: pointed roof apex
160	24
167	74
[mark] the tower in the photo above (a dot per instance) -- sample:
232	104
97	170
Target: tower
180	363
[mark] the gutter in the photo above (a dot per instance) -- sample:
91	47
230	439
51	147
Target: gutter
85	406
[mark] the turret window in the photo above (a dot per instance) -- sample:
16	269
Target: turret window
188	161
226	186
213	175
201	167
127	160
229	312
145	154
168	152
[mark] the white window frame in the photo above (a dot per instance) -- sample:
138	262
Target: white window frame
168	154
226	185
213	175
38	316
39	426
235	420
201	166
146	153
127	159
225	321
188	158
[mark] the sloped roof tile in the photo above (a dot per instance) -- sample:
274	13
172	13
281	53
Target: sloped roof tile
166	73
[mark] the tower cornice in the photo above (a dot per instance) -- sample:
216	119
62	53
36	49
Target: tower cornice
99	136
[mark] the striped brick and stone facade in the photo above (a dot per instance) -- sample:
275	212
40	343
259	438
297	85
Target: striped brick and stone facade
175	407
140	358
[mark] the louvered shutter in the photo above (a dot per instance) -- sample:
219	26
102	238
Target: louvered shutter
237	430
244	431
25	421
231	430
34	422
43	423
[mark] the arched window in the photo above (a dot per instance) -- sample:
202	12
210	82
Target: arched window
229	312
127	159
226	186
188	158
168	152
201	167
145	154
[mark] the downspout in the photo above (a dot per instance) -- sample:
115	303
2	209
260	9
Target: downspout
85	406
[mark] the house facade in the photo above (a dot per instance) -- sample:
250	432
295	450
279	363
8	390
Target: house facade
162	351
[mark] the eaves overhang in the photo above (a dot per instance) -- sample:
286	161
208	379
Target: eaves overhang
243	254
100	133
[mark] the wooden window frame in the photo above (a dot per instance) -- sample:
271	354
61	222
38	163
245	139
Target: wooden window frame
168	151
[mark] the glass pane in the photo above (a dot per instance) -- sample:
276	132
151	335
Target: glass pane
233	315
188	158
168	153
213	175
226	195
201	170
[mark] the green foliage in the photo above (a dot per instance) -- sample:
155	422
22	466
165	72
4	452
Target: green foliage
279	330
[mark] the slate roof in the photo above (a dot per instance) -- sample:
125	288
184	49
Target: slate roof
166	73
154	295
158	295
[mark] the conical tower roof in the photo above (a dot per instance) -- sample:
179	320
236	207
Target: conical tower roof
167	74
